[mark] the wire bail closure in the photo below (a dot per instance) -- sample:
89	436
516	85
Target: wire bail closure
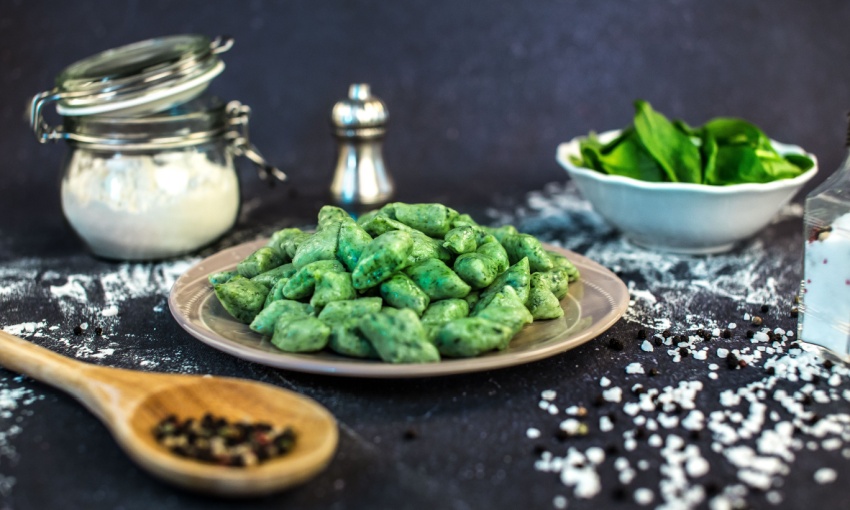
238	115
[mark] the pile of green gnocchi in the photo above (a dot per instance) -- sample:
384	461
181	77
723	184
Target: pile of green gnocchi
407	283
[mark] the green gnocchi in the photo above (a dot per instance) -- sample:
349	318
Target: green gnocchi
407	283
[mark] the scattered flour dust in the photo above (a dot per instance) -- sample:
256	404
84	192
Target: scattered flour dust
31	289
758	429
15	396
662	284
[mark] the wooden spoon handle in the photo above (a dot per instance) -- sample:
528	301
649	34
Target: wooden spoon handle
42	364
98	388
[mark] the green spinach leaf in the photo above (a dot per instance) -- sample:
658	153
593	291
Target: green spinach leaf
673	150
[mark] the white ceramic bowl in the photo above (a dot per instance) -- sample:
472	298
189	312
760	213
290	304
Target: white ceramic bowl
678	217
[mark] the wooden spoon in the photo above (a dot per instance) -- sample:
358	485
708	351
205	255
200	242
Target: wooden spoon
132	403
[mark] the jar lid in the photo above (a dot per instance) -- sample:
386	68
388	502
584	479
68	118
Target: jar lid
134	80
359	115
143	77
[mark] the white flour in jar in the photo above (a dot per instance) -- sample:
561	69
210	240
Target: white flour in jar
826	292
146	206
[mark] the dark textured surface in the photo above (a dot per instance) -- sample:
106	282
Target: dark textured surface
479	94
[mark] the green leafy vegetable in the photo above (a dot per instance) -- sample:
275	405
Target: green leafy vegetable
673	149
721	152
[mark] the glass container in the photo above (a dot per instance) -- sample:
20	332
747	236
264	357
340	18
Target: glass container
150	167
825	289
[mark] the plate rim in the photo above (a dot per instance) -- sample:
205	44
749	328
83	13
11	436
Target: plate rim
378	370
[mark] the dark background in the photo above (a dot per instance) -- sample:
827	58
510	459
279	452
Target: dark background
479	93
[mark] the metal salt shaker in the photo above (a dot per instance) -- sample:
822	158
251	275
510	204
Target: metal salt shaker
359	123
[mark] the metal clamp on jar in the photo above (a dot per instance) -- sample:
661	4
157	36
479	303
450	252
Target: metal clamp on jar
149	172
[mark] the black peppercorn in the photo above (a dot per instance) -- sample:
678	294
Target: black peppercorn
641	334
732	361
616	344
750	333
653	372
683	352
726	334
78	330
620	493
410	434
764	308
215	440
98	331
658	342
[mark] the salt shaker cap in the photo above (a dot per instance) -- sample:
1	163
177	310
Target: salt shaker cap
360	114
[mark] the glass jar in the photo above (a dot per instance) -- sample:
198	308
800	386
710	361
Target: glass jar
134	200
150	167
825	290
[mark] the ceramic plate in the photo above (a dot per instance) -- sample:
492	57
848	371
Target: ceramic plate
593	305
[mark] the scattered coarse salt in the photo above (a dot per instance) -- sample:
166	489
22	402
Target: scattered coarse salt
548	395
553	409
695	420
570	426
631	408
825	475
634	368
755	429
773	497
760	337
559	502
595	455
110	311
696	467
644	496
532	433
614	394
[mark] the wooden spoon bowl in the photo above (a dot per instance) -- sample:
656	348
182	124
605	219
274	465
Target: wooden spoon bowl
132	403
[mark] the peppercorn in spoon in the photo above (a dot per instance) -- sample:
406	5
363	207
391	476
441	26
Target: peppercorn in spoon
133	405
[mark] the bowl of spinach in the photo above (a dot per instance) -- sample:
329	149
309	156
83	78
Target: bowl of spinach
674	187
